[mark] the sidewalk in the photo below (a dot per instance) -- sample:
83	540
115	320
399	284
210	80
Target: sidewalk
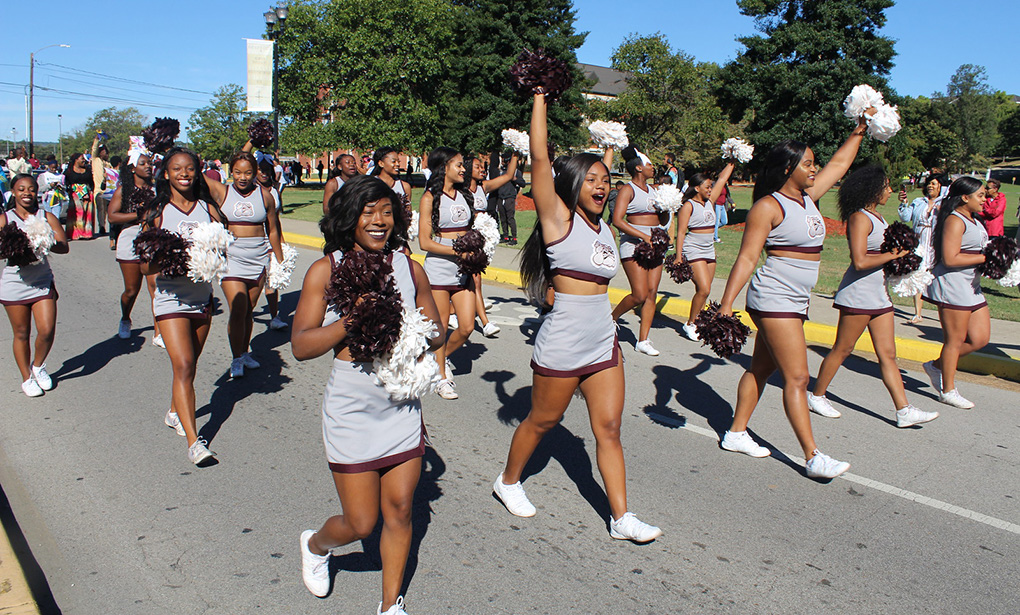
921	342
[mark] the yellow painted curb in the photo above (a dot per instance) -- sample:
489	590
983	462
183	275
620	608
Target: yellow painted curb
15	596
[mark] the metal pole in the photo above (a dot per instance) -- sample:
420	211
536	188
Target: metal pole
276	106
31	104
60	139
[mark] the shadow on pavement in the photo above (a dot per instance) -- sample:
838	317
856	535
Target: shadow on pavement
37	583
97	356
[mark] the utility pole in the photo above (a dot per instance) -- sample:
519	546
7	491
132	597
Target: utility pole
31	96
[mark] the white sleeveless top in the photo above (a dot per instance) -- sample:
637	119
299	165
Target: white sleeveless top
584	253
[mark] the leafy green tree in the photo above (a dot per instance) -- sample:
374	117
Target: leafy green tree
971	108
790	82
119	124
220	128
1009	133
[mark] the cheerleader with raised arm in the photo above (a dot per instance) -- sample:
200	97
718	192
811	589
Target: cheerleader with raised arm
576	346
127	205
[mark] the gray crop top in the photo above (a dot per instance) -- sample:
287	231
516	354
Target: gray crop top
802	228
877	234
454	214
642	202
975	236
183	223
403	277
584	253
245	210
702	216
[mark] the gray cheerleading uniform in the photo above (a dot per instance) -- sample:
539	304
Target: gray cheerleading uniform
781	288
864	292
578	336
183	297
30	283
481	199
126	239
700	246
454	217
247	257
640	204
362	428
959	288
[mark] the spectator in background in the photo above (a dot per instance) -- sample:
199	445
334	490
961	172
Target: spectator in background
320	168
100	163
112	182
611	199
723	205
51	188
674	173
212	172
994	210
81	213
506	203
18	164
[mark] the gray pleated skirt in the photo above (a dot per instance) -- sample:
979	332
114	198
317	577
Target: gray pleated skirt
362	428
27	285
182	298
781	288
629	242
578	337
699	247
126	244
956	288
248	260
863	292
442	270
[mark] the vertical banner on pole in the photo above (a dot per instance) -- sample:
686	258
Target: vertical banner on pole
260	75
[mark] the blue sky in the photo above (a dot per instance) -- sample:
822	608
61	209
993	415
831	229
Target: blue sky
207	49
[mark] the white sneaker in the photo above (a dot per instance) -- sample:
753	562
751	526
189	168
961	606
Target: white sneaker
691	332
198	452
490	330
454	323
934	374
42	378
31	388
645	347
742	442
513	497
447	389
396	609
820	405
823	466
237	367
249	361
487	305
174	422
124	329
951	398
449	370
314	567
909	415
629	527
158	341
276	324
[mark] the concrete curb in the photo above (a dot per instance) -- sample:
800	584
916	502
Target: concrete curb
912	350
15	595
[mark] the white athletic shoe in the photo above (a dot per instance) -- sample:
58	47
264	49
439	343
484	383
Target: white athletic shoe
454	323
124	329
42	378
951	398
314	567
249	361
31	388
396	609
490	330
742	442
487	305
645	347
199	453
447	389
276	324
237	367
174	422
691	332
909	415
823	466
934	374
158	341
820	405
629	527
513	497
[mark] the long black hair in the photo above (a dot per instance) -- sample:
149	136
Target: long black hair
860	189
127	181
534	261
199	188
779	166
438	159
10	204
692	185
379	154
72	177
957	190
345	207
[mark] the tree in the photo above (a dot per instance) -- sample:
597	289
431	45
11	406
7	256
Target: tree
221	128
118	124
1009	133
790	83
972	109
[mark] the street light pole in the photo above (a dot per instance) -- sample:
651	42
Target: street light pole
60	139
275	20
31	96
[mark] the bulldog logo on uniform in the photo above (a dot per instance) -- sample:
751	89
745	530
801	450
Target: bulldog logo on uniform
815	226
459	214
603	255
185	228
244	209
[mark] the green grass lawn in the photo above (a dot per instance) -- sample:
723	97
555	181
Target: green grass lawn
306	204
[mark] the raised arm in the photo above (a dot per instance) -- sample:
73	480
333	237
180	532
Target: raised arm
553	214
840	163
607	159
761	219
496	182
720	184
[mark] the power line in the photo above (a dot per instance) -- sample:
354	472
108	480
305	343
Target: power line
113	87
121	79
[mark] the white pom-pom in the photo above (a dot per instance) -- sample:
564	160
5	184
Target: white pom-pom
737	149
1012	277
911	284
885	123
40	235
207	252
279	273
609	134
408	372
412	230
517	141
486	225
667	197
860	99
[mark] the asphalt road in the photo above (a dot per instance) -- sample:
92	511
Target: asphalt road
121	522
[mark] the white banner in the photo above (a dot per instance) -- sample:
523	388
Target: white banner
260	75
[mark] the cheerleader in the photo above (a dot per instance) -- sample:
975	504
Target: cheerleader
250	212
576	346
374	445
635	216
785	222
347	169
28	292
695	229
920	215
264	177
862	298
386	166
956	290
445	214
126	209
182	306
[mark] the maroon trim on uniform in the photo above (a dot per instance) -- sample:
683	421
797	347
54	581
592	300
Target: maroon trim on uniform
762	314
454	229
861	311
971	252
205	314
245	223
450	289
581	371
51	294
186	213
570	227
580	275
247	281
799	249
873	252
701	228
950	306
624	259
410	271
384	462
596	229
702	260
129	261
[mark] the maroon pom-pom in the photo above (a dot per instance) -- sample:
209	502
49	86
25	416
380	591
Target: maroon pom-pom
15	246
160	136
1000	252
725	335
536	71
362	290
166	249
471	258
678	268
651	255
260	132
138	200
899	236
